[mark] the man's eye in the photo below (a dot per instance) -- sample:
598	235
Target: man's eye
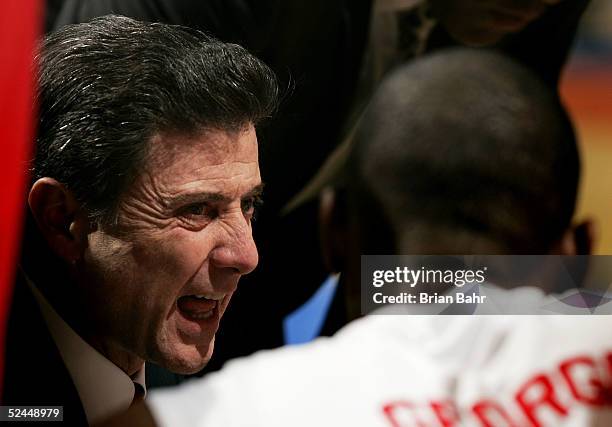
197	209
250	206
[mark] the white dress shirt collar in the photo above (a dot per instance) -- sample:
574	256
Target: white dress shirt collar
104	389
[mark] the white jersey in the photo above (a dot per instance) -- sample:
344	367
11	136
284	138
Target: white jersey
414	371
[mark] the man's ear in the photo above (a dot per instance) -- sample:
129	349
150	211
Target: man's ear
579	239
333	231
59	217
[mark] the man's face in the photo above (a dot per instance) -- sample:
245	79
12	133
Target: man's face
485	22
162	278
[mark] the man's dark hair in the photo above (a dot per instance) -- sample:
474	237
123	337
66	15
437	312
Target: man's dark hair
107	86
466	151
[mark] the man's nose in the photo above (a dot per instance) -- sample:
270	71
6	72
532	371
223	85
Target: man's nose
236	250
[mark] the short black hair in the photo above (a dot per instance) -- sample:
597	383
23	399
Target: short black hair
107	86
467	145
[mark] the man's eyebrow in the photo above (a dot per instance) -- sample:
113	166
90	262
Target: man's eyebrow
256	191
212	197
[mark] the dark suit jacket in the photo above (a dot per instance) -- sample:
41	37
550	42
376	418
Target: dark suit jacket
35	373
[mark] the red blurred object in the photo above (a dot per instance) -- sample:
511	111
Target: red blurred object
587	89
20	26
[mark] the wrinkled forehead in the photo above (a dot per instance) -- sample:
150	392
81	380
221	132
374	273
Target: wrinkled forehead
208	147
220	162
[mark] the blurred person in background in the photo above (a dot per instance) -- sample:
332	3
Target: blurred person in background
144	186
463	152
332	54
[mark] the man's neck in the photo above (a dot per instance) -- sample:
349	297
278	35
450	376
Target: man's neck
126	361
75	316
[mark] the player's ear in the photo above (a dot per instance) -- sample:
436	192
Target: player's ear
333	229
579	239
59	217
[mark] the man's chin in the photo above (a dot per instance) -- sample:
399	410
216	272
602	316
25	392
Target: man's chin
188	359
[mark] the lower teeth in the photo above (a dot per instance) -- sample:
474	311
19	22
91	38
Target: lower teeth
201	316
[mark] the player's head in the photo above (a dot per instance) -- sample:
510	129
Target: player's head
462	152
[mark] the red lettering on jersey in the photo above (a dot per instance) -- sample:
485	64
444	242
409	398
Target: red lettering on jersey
590	391
491	414
529	403
446	412
398	412
608	390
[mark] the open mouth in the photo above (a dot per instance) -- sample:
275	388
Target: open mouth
199	307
